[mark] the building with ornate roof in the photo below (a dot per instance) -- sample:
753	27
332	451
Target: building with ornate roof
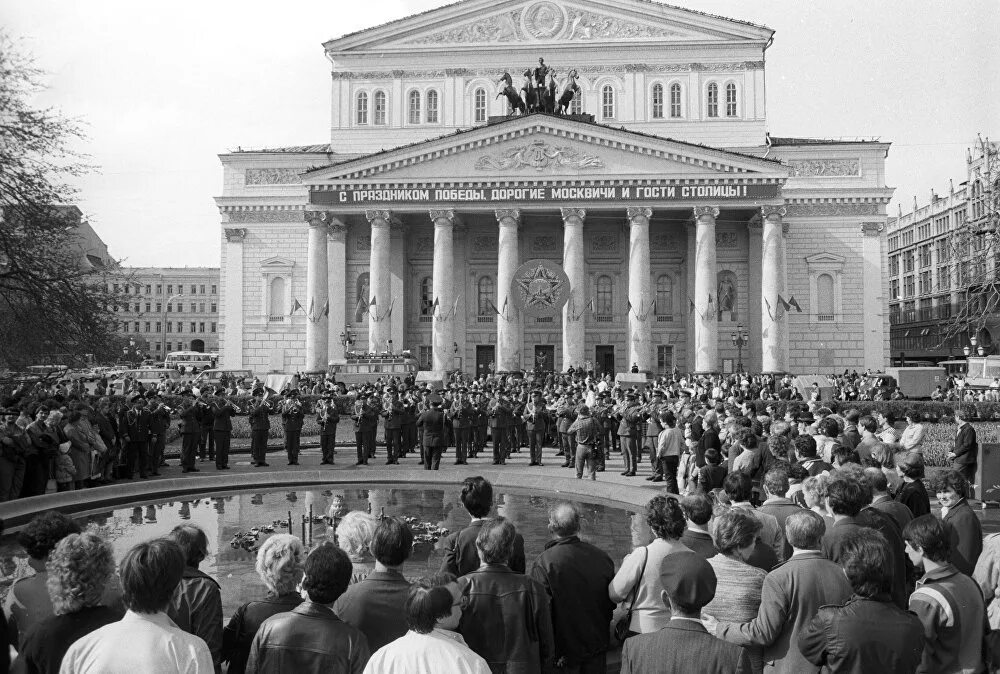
646	225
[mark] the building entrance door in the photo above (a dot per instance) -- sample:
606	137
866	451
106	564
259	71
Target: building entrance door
486	355
604	359
545	358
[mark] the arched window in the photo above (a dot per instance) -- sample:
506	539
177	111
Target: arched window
675	100
576	105
278	304
363	294
824	297
730	100
657	101
605	296
432	107
380	108
479	105
362	107
486	293
414	107
608	102
664	296
713	100
426	296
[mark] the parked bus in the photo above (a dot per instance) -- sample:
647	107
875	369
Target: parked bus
366	369
189	361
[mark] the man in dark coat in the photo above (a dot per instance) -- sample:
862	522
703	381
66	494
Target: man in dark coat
461	556
462	415
365	425
190	433
684	645
431	423
222	431
260	426
964	529
869	633
328	418
393	415
775	485
965	456
292	415
206	419
134	425
159	423
576	576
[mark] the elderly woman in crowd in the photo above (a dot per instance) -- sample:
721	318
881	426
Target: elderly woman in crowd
78	571
638	579
912	492
354	536
737	595
912	439
279	565
28	601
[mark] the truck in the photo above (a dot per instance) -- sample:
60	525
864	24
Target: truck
918	382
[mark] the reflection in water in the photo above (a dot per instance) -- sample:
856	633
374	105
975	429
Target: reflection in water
611	529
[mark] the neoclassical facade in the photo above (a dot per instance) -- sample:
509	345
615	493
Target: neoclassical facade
665	209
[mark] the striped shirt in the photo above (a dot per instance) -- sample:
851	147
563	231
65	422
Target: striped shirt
587	430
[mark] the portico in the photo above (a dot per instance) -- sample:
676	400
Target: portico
511	199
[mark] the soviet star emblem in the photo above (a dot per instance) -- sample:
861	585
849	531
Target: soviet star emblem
540	287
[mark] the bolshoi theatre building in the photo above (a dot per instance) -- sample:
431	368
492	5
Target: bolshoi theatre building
644	225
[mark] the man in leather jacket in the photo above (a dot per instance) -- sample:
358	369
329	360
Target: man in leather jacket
311	638
500	601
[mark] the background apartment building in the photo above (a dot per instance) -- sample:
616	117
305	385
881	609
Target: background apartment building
169	309
940	258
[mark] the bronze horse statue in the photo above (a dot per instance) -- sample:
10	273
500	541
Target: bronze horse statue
570	89
513	99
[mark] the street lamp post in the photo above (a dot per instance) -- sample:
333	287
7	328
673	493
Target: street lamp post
163	324
975	346
740	339
347	338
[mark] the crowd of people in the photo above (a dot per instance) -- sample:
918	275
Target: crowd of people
851	581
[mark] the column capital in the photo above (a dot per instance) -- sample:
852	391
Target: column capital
377	216
445	214
571	214
235	234
633	212
508	216
773	212
756	223
872	228
706	212
336	231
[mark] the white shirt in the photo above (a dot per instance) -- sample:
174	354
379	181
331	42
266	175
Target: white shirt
440	652
139	642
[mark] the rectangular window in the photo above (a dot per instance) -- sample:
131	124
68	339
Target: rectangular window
159	327
159	288
479	106
149	307
925	255
194	308
170	328
894	265
214	292
138	308
115	287
379	112
664	360
146	326
943	278
170	289
170	345
214	307
675	101
157	347
908	261
657	101
608	102
136	325
180	327
125	327
432	107
193	327
201	327
169	308
425	357
908	286
925	283
201	307
159	307
194	290
213	327
943	250
201	289
730	100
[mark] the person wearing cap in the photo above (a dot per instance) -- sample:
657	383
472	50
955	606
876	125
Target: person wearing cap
461	415
206	420
190	432
393	415
159	423
292	417
260	427
134	425
628	431
586	431
223	412
327	417
432	423
536	418
684	645
653	429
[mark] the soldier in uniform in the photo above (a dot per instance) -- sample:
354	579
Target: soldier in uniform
393	415
567	415
652	416
260	427
223	412
432	422
292	416
461	415
498	429
206	420
628	431
408	422
190	434
159	424
327	417
536	418
479	424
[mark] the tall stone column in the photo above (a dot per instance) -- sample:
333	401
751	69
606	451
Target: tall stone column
755	304
316	295
336	263
509	321
876	322
706	327
574	332
443	279
231	316
380	280
774	318
640	327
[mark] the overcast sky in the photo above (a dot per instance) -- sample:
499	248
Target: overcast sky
164	87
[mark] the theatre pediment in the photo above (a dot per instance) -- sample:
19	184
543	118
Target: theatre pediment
479	22
548	148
